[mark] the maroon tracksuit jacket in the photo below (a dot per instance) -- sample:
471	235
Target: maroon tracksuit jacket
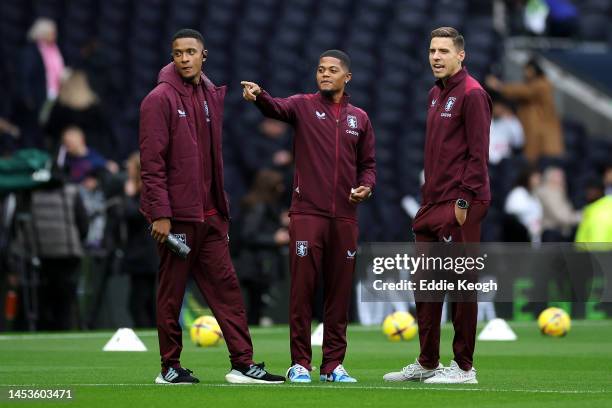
182	176
334	151
457	141
456	157
171	154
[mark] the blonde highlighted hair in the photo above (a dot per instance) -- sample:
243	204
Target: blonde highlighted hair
41	28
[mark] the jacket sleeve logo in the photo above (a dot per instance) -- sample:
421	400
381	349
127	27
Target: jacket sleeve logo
301	248
351	121
181	113
320	115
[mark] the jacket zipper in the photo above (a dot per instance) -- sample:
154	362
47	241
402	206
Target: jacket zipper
437	147
336	162
194	101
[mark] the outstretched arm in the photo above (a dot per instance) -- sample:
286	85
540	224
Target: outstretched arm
282	109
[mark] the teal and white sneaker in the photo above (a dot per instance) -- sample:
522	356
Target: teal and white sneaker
412	372
338	375
298	374
453	375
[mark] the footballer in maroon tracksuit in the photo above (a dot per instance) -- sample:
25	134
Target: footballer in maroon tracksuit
455	199
181	122
334	171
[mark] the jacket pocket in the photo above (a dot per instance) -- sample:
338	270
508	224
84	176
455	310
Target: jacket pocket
182	195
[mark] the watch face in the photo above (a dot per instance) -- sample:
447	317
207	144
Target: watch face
461	203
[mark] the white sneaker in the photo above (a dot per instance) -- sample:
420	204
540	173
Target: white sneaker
453	375
412	372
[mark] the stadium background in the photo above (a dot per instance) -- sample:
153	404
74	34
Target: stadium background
122	44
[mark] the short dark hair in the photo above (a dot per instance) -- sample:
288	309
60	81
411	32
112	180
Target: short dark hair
535	65
525	174
341	55
452	33
188	33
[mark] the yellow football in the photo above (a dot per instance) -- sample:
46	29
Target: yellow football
554	322
399	326
205	331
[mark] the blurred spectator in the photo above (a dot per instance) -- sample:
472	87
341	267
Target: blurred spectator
514	16
85	166
596	225
506	132
102	76
60	224
562	18
78	105
536	111
594	189
558	217
9	128
9	135
535	14
262	235
78	159
523	203
411	204
270	148
140	259
42	67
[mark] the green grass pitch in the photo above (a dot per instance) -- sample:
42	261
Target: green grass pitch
535	371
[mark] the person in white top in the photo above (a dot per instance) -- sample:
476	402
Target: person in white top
506	132
523	203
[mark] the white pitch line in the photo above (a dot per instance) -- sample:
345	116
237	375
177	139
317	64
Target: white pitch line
67	336
339	387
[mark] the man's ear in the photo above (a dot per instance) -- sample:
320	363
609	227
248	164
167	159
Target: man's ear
348	77
204	55
461	55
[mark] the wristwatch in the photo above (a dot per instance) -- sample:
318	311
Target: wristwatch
463	204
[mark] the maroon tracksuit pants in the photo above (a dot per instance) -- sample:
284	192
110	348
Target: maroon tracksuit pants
328	246
210	265
437	223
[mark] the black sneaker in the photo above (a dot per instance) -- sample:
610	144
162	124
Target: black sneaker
177	376
253	374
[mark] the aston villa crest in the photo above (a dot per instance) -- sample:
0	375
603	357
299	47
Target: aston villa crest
449	103
351	120
301	248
